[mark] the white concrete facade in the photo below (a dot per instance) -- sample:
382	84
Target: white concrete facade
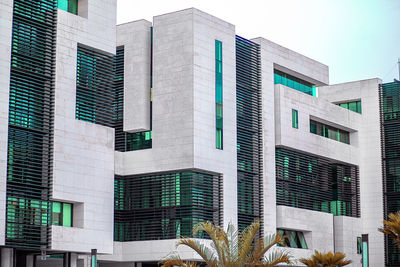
184	131
83	161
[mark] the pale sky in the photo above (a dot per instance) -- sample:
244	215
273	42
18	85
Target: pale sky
357	39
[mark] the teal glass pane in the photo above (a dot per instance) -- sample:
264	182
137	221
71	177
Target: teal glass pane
359	245
291	235
63	5
294	83
67	214
302	240
73	6
218	95
56	214
295	119
359	107
365	254
313	127
353	106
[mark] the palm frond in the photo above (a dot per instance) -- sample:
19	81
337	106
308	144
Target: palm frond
214	232
277	257
246	241
205	253
264	245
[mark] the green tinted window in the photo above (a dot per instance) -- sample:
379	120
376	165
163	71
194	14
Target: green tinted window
295	119
62	214
329	132
70	6
56	215
353	106
294	83
67	214
293	239
218	95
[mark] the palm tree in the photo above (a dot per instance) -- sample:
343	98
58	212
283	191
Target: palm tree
231	248
326	260
391	227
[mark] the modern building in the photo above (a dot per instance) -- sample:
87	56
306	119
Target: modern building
121	138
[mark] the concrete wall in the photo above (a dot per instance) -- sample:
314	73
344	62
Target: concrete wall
347	229
274	56
309	107
316	226
6	9
83	152
370	161
184	127
135	37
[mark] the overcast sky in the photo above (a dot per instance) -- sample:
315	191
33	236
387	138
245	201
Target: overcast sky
357	39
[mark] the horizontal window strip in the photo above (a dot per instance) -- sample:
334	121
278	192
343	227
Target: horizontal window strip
309	182
165	206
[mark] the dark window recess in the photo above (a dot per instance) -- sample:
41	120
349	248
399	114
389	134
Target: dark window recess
359	245
293	239
165	206
353	106
249	131
70	6
62	214
294	83
329	132
295	118
30	125
389	95
309	182
94	87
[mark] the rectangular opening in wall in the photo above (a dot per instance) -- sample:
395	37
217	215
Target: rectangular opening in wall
293	239
294	83
295	119
218	95
62	214
330	132
353	106
70	6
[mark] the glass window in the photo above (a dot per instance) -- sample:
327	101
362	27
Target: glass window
293	239
329	132
359	245
62	214
218	95
294	83
353	106
295	119
70	6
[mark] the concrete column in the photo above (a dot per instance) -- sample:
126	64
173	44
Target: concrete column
7	257
29	260
74	260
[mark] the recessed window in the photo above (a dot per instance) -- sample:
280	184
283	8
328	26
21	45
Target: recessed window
295	119
329	132
294	83
62	214
70	6
359	245
353	106
293	239
218	95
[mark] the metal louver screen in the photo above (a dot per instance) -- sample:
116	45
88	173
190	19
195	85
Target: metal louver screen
315	183
30	138
94	86
166	205
389	95
249	131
